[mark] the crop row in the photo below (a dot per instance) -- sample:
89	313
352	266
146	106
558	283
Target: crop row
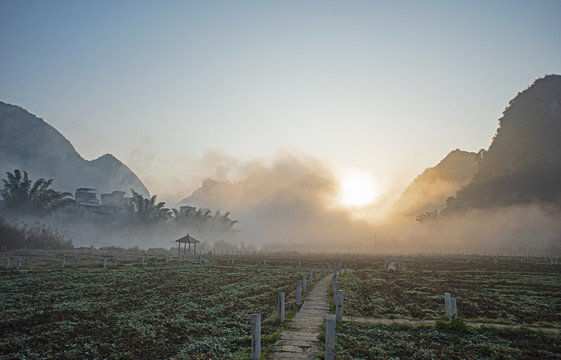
193	311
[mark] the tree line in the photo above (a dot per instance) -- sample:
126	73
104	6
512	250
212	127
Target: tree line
23	197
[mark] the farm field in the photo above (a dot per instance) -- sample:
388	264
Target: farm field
366	341
186	311
190	310
508	292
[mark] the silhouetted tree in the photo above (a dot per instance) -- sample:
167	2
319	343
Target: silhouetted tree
21	196
201	221
223	223
427	216
37	236
147	211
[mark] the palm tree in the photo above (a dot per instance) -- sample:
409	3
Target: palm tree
427	216
223	222
147	211
20	196
194	219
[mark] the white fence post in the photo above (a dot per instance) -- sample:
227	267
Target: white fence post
62	261
281	307
303	284
298	292
453	309
330	339
447	303
255	336
339	307
335	294
105	262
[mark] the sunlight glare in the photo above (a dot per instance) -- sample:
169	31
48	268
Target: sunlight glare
358	189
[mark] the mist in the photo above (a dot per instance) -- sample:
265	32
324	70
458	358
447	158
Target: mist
532	228
292	203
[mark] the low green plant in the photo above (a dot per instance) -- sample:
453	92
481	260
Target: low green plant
454	323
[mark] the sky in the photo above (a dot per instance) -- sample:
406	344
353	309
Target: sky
183	90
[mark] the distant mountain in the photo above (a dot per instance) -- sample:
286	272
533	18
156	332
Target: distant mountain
523	163
29	143
429	191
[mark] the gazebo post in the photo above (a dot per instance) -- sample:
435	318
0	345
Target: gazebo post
189	246
184	248
178	248
195	249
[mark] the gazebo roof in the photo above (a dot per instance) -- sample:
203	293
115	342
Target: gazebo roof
188	239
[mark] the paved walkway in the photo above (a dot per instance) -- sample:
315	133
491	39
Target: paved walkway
299	340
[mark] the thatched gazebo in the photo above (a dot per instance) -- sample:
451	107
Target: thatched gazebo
188	239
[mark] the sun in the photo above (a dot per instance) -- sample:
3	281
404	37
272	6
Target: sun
357	189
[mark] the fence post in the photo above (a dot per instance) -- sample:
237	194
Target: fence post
339	307
143	261
75	262
330	339
62	261
281	307
255	336
298	292
18	264
105	262
453	309
303	284
447	303
335	294
7	266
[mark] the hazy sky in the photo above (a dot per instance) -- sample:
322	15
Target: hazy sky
386	87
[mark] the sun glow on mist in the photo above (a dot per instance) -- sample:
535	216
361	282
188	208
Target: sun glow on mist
357	189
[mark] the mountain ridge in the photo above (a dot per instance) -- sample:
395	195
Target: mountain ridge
430	189
29	143
523	163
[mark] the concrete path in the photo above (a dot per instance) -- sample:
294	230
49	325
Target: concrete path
299	340
383	321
